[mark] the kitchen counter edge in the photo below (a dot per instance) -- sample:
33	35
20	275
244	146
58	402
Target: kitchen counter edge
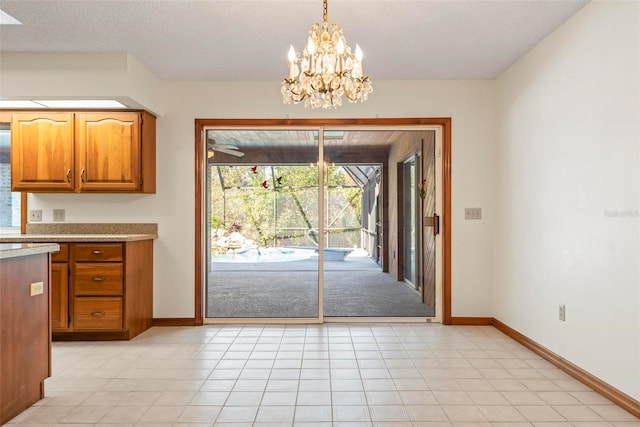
15	250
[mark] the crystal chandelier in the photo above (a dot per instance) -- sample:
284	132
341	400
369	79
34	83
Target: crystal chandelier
326	70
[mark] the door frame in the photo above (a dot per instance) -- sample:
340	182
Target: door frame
200	164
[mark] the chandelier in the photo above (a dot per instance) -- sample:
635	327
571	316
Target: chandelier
326	70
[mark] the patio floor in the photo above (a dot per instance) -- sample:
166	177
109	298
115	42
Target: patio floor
355	287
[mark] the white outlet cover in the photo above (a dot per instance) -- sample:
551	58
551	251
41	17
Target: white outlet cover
472	213
58	214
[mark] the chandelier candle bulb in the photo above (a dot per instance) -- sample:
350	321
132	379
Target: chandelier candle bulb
292	57
359	59
329	70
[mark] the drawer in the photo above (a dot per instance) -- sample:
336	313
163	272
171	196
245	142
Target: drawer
97	279
62	255
97	251
97	313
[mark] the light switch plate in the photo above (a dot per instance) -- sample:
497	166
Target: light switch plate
35	215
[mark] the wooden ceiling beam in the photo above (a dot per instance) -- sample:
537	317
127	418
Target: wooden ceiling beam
303	155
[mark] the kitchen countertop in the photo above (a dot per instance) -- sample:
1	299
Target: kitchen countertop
81	232
55	238
14	250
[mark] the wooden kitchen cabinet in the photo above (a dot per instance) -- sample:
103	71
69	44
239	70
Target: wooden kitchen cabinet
60	289
42	152
110	290
111	151
25	335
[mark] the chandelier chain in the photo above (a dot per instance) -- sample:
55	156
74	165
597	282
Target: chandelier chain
325	11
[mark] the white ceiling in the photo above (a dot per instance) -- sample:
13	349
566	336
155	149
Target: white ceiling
249	40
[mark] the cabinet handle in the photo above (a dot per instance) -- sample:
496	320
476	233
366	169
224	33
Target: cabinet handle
97	252
98	279
82	175
98	314
68	177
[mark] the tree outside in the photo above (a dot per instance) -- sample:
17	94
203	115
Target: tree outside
278	206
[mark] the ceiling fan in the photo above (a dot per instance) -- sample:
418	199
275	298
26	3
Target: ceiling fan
213	146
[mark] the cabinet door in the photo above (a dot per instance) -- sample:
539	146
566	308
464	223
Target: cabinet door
42	155
108	151
59	296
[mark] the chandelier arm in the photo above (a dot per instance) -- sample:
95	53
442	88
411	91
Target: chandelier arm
356	95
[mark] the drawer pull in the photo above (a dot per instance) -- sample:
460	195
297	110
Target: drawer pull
98	279
97	252
98	313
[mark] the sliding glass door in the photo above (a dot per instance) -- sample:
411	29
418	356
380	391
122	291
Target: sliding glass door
264	222
305	225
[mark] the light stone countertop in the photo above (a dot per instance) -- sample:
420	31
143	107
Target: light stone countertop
55	238
80	232
14	250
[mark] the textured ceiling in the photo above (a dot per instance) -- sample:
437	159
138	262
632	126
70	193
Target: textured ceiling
248	40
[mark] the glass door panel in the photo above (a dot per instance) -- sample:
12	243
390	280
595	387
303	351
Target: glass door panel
431	223
410	226
262	193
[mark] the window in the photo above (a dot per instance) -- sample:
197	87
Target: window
9	202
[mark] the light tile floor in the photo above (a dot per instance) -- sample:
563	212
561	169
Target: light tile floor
315	375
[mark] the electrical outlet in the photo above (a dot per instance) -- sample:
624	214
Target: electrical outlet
36	289
58	214
472	213
561	312
35	215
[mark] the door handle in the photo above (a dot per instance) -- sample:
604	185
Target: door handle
436	225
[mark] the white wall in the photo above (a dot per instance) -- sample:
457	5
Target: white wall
91	75
469	103
567	204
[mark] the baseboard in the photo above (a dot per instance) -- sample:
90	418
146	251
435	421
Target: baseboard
90	336
175	321
473	321
616	396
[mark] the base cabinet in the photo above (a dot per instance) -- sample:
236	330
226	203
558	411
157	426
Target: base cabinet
109	291
25	346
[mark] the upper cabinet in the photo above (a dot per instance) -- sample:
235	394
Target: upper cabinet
42	152
96	152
